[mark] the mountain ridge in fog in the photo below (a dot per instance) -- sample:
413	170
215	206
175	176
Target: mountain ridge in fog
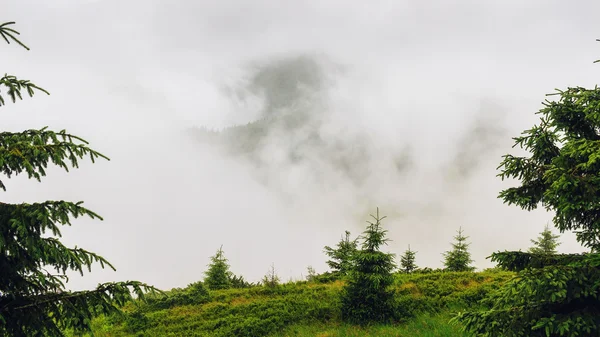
294	92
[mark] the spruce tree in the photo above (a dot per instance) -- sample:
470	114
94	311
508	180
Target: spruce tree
311	274
218	275
552	295
271	279
407	261
34	300
342	256
459	258
546	243
367	296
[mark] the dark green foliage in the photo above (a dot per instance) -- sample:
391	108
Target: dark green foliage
562	172
553	295
13	85
194	293
326	277
218	275
459	258
342	256
517	261
546	243
198	291
556	300
407	261
9	34
367	297
31	151
239	282
33	262
136	322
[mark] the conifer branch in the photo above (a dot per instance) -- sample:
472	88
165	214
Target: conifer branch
31	151
9	33
15	86
119	290
32	300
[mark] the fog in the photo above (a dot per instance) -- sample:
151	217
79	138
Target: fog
270	127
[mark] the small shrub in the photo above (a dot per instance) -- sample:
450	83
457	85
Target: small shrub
271	279
135	322
195	293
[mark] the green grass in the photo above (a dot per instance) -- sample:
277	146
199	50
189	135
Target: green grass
425	303
424	325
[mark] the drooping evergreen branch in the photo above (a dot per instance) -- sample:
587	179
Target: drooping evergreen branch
561	299
517	261
37	218
24	250
31	151
56	311
33	301
9	34
16	86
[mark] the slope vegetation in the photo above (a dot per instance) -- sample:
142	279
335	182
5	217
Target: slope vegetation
425	303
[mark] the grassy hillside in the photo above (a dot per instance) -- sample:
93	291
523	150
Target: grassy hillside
424	325
425	304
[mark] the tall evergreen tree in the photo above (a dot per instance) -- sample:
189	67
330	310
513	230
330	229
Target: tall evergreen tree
552	295
34	300
342	256
407	261
367	296
459	258
218	275
546	243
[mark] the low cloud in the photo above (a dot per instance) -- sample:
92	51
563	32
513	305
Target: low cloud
272	128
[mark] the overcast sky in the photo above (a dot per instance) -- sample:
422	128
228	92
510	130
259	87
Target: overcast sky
452	81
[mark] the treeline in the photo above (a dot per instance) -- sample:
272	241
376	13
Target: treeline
364	286
366	271
344	255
